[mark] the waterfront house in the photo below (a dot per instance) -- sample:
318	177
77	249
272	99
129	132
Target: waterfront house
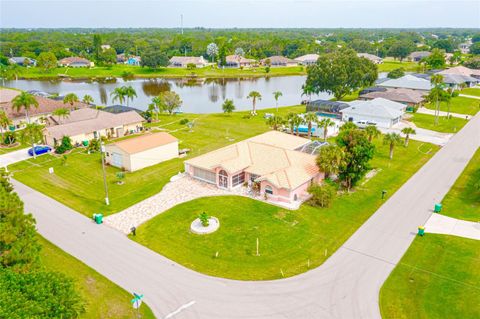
75	62
22	61
307	59
407	82
237	61
379	112
400	95
278	60
184	61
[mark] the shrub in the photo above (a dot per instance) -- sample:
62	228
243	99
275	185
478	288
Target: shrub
191	66
183	121
204	219
93	145
64	146
322	195
120	177
397	73
9	138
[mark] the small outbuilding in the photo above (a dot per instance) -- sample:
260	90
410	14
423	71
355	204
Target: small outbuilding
142	151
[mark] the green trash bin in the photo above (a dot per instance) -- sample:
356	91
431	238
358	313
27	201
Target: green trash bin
98	218
437	208
85	143
421	230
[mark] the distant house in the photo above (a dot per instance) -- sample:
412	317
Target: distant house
183	61
142	151
116	109
307	59
417	56
236	61
465	47
75	62
130	59
105	47
380	112
461	70
22	61
404	96
457	81
86	124
278	60
407	82
373	58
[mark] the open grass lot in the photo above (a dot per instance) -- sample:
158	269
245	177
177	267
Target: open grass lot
390	64
103	298
289	240
137	71
471	91
445	125
438	277
463	199
79	183
459	104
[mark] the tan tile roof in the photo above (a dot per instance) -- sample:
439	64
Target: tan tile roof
145	142
461	70
73	59
397	95
308	57
7	95
271	155
238	59
187	59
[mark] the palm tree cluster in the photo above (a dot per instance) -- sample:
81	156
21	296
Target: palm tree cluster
167	101
294	120
123	93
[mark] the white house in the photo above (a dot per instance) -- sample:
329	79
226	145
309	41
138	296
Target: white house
380	112
184	61
407	82
307	59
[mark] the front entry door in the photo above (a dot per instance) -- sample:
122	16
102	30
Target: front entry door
223	179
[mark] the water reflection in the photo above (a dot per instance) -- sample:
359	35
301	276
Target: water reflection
103	95
155	86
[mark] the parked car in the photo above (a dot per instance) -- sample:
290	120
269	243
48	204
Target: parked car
39	150
364	124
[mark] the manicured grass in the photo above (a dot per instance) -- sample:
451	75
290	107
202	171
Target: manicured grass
79	183
463	199
119	71
438	277
103	298
445	125
289	240
389	65
471	91
459	104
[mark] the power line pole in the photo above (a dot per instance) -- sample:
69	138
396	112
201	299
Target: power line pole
181	22
102	152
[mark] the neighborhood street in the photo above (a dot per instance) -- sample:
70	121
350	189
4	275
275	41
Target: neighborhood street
346	286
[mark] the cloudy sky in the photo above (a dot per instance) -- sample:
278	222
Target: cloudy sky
241	14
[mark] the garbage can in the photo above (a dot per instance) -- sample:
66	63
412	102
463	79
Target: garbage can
85	143
421	230
438	208
98	218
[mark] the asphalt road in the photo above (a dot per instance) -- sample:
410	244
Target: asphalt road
346	286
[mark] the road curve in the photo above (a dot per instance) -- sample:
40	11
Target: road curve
346	286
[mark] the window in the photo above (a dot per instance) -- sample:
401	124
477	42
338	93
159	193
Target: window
204	175
268	190
253	177
238	179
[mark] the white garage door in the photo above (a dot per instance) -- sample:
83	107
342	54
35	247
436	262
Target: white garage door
117	159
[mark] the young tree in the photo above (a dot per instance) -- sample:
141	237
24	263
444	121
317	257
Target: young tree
276	96
70	98
310	118
4	123
108	56
395	74
47	61
24	101
32	133
408	131
170	101
275	122
325	123
340	73
228	106
330	158
212	50
62	112
254	95
436	60
87	99
392	139
372	132
322	195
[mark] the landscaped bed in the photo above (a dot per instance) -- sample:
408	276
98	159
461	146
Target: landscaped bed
290	242
445	125
438	277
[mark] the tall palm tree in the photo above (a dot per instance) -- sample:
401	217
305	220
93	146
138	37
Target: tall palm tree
392	139
158	105
325	123
254	95
408	131
310	118
436	93
329	159
62	112
290	117
70	98
31	133
4	122
296	121
24	101
372	132
277	95
130	93
87	99
275	121
118	94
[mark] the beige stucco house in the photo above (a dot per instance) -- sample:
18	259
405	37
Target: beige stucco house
272	160
142	151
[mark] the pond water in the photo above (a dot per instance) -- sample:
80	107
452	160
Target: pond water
198	95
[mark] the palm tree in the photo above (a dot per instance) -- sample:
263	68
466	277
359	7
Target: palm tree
70	98
372	132
62	112
129	92
392	139
254	95
228	106
118	94
348	126
309	118
329	159
87	99
290	117
4	122
436	93
157	105
31	133
296	121
277	95
24	101
275	121
408	131
325	123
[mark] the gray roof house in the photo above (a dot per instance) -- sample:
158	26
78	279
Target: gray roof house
22	61
307	59
278	60
380	112
405	96
375	59
418	55
456	80
407	82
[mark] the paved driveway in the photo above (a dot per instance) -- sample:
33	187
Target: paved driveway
14	157
421	135
347	285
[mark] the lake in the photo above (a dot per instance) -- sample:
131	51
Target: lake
198	95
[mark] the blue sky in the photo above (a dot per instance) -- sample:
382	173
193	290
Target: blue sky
241	14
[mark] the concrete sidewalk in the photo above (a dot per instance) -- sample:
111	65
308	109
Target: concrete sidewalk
470	96
440	224
14	157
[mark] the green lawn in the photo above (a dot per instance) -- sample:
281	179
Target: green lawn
459	104
471	91
5	150
103	298
389	65
79	183
445	125
463	199
119	71
289	240
438	277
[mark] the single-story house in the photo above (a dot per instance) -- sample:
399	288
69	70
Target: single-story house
465	47
375	59
236	61
381	112
417	56
307	59
327	107
130	59
278	60
184	61
22	61
404	96
273	161
142	151
407	82
86	124
117	108
461	70
75	62
456	81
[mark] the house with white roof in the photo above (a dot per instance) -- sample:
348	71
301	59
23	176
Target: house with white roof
184	61
373	58
307	59
380	112
407	82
